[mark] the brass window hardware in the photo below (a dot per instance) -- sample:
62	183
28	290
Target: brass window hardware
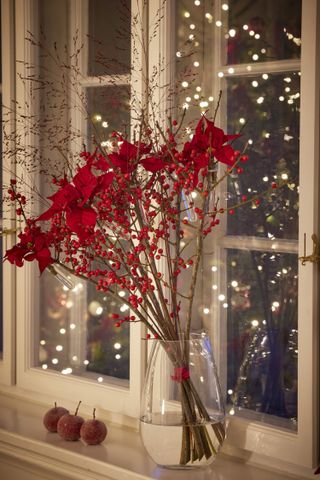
315	256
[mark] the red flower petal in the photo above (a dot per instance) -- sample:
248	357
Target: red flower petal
85	182
153	164
79	219
104	181
60	199
225	155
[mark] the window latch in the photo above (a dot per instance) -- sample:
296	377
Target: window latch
315	256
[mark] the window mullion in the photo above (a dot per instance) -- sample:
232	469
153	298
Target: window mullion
105	81
249	69
257	243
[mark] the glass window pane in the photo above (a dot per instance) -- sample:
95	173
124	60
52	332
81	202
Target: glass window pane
262	334
108	109
267	108
109	37
77	333
195	36
262	31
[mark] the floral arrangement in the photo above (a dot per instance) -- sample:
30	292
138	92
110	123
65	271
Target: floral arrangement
118	222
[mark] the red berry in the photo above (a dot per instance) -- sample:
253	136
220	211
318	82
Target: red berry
231	211
274	185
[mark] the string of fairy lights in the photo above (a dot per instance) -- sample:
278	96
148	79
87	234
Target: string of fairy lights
192	95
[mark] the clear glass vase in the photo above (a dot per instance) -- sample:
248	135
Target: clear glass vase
182	422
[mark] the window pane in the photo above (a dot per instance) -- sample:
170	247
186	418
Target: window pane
269	107
254	291
109	37
194	57
108	109
262	334
262	31
77	333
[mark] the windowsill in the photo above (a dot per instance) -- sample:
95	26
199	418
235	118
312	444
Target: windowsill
24	440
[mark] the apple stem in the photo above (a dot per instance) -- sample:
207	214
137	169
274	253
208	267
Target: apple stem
94	413
55	405
77	408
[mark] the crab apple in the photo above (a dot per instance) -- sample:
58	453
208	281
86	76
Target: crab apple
52	417
69	425
93	431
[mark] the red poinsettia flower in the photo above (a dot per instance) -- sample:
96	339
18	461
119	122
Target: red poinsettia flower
33	245
72	199
126	158
81	220
217	141
208	136
61	199
85	183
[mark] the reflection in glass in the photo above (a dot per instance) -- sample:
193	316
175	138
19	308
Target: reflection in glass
108	110
194	57
77	333
262	31
109	37
267	107
262	333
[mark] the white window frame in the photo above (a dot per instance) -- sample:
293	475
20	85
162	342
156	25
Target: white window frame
7	363
121	401
300	448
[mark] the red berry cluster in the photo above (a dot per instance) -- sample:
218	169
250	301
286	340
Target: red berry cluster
121	219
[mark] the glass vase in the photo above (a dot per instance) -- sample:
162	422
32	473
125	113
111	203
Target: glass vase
182	421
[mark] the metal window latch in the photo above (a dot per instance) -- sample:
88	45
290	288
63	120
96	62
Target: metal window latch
315	256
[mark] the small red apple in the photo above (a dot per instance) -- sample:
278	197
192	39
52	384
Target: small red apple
69	425
52	417
93	431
